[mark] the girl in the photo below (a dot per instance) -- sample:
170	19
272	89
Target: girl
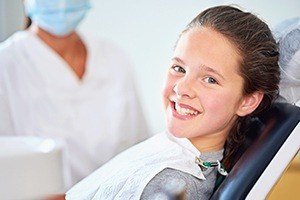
223	72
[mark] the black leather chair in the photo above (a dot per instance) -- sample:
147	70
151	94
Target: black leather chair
272	144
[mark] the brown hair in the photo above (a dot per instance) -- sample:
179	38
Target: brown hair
259	66
27	23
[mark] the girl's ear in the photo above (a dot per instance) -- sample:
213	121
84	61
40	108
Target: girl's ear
249	103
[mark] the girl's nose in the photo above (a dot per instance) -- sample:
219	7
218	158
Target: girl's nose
184	88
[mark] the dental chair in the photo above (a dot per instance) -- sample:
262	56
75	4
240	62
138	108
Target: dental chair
266	153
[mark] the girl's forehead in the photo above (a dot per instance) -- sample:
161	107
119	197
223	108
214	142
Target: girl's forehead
206	37
206	47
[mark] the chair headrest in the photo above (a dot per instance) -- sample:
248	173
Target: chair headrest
266	135
288	37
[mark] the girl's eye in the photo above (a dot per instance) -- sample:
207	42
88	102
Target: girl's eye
179	69
210	80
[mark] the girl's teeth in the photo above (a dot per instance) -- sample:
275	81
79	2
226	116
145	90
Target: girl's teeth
185	111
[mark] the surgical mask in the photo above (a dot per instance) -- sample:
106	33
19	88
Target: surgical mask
58	17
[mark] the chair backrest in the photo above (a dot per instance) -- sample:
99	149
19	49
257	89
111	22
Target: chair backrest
272	144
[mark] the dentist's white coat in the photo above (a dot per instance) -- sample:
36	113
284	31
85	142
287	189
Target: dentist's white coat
96	117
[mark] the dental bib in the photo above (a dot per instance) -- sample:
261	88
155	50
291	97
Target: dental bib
126	176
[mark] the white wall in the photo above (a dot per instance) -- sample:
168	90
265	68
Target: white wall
11	17
2	21
147	30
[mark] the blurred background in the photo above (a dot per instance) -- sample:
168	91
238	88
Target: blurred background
147	31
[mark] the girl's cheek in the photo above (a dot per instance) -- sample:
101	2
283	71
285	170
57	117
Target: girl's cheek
168	86
211	100
167	90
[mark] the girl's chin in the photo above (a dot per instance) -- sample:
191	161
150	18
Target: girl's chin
177	133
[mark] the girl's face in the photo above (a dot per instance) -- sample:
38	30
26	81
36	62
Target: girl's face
203	89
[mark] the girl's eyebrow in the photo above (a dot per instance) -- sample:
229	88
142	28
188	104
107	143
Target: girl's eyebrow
206	68
178	60
201	67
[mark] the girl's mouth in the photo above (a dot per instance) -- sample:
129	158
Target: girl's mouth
183	111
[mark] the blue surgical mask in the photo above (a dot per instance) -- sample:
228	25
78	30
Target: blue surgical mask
58	17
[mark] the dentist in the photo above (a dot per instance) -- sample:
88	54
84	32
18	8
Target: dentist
58	83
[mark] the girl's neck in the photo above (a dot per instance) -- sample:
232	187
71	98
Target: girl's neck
209	143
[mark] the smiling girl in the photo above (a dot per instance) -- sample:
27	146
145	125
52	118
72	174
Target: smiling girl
223	72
